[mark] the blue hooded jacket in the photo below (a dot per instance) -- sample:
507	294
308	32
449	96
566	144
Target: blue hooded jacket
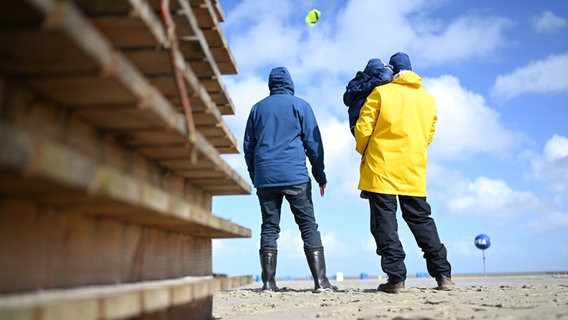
281	131
357	90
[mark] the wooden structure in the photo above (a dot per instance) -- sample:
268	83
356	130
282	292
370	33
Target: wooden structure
107	173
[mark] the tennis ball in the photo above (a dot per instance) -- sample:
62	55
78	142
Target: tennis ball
312	17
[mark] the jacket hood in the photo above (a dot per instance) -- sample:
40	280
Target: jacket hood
280	81
375	67
408	78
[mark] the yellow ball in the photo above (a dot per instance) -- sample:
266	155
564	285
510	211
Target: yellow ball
312	17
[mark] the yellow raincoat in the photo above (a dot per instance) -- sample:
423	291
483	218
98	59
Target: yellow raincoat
396	124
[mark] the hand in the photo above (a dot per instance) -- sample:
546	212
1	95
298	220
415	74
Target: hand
322	189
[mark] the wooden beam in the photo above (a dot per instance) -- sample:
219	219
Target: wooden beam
115	301
44	160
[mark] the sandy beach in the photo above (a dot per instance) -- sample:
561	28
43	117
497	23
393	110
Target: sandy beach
495	296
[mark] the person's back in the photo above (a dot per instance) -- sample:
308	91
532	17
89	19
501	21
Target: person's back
281	131
395	127
396	151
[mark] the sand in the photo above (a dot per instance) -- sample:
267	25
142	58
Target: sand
528	296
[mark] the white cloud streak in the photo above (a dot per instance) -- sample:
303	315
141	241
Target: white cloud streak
542	76
262	35
552	166
549	22
466	125
493	200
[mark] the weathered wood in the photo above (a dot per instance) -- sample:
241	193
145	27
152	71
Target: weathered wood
139	28
67	168
209	14
61	248
118	301
102	187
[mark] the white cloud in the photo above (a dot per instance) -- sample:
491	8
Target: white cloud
542	76
466	125
268	33
548	22
549	221
245	91
462	247
552	166
466	37
290	244
264	34
341	159
493	200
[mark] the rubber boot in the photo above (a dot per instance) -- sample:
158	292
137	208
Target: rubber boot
316	261
268	264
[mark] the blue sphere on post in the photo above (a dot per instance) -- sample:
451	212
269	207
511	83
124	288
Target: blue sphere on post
482	242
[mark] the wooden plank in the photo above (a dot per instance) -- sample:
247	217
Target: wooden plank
84	90
151	61
116	119
28	258
116	301
138	28
205	16
144	138
64	248
191	48
19	48
166	153
62	166
204	43
19	13
164	83
202	68
125	31
69	40
104	7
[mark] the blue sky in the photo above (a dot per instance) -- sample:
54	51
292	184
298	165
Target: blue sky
499	161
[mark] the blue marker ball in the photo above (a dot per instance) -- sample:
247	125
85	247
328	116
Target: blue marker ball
482	242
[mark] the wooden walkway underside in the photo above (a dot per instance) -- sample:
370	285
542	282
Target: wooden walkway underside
105	192
156	299
129	94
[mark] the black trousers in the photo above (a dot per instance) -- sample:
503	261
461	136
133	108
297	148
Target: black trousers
384	227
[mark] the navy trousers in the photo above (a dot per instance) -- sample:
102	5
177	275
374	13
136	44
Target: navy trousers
384	228
300	199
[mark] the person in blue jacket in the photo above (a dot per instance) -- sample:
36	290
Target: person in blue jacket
358	89
281	131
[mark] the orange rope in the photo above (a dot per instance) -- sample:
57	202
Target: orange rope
170	33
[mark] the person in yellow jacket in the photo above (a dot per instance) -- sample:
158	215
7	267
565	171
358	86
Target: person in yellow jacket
395	126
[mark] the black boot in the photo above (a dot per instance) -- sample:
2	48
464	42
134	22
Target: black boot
316	261
268	264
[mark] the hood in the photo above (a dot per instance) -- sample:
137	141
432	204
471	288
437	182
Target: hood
408	78
280	81
375	67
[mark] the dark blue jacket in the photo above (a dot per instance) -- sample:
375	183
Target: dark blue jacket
357	90
281	131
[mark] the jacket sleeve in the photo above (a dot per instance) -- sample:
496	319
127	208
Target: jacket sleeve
366	122
432	130
249	143
313	144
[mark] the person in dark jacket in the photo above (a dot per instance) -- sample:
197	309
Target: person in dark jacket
281	131
358	89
